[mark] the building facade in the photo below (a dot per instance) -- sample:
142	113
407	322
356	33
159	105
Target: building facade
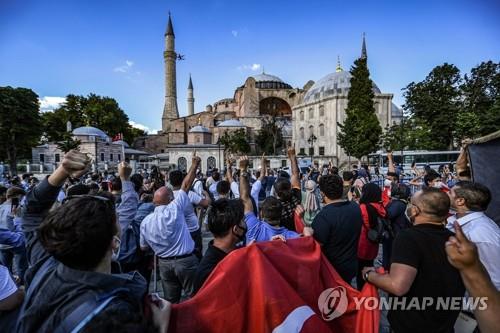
312	111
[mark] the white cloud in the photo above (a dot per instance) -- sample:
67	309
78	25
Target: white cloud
142	127
124	68
252	67
234	33
49	103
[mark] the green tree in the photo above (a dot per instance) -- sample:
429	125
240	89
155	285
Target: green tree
235	142
436	101
481	100
93	110
20	124
68	143
360	133
270	137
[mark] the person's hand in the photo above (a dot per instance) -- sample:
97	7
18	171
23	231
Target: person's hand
308	231
263	162
75	163
279	237
299	210
161	314
196	160
124	171
291	152
389	155
462	253
243	163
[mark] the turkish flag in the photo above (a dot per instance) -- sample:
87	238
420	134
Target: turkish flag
276	287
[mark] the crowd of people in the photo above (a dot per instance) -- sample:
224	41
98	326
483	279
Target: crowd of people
81	251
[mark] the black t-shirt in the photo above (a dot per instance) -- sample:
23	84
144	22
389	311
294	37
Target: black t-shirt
212	257
423	247
288	209
337	227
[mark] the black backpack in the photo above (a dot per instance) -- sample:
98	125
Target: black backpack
381	231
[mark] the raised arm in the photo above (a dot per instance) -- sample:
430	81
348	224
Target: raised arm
390	161
229	170
188	180
244	186
295	180
41	197
263	168
127	208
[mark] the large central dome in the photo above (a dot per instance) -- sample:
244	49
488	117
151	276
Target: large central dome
337	83
267	81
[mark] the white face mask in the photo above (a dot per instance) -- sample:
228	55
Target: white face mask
115	255
438	184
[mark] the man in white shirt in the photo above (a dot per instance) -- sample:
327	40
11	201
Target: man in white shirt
165	231
175	178
256	186
469	201
212	188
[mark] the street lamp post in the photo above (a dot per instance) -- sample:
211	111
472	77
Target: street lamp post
312	139
218	143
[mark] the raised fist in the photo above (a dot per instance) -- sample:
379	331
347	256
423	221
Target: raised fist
243	163
76	163
124	170
196	159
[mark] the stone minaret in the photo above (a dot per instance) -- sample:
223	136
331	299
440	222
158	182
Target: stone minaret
190	98
363	48
170	110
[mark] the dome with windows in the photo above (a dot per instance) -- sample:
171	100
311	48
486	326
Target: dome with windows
90	131
337	83
231	123
121	142
268	81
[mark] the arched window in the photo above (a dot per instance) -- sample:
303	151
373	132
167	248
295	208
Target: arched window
321	130
321	111
311	130
182	164
302	132
301	115
211	162
311	113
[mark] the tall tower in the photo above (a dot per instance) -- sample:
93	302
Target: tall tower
363	48
190	98
170	110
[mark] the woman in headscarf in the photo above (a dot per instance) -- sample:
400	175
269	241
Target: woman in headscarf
371	209
310	201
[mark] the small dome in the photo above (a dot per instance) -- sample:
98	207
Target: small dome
336	83
199	129
90	131
231	123
121	142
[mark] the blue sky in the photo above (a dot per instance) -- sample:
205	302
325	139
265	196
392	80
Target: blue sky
114	48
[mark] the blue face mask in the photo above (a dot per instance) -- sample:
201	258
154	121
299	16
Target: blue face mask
116	254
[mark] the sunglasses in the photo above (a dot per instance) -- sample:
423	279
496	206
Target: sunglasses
93	197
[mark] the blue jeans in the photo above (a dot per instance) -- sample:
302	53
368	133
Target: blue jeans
15	260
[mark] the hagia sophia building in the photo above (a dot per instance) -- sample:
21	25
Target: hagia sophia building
308	112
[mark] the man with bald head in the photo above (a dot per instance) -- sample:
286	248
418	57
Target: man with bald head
165	232
420	271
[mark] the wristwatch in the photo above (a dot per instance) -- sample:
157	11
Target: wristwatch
367	273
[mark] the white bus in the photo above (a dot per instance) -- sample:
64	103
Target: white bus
421	158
